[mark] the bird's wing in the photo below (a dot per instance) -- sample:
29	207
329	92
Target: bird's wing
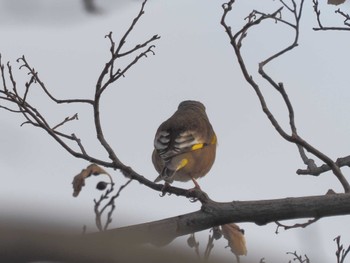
169	145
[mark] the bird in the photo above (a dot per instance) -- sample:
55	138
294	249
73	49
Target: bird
185	145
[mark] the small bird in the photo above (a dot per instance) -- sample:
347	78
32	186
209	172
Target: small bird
184	145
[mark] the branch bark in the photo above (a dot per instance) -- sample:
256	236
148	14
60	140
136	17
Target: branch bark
121	244
212	214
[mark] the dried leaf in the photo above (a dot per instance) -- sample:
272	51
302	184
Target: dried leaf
191	241
79	179
335	2
235	238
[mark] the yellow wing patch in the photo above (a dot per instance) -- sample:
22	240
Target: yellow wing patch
197	146
201	145
182	164
214	140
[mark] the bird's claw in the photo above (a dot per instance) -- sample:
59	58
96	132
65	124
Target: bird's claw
164	189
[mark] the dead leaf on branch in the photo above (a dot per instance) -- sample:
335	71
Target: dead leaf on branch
335	2
235	238
79	179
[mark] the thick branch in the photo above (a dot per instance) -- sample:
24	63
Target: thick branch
259	212
119	244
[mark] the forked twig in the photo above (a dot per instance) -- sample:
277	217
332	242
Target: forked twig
110	204
341	252
297	225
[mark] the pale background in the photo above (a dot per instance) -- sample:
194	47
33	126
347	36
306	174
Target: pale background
193	61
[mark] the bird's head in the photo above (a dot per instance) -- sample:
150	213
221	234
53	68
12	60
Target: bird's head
191	103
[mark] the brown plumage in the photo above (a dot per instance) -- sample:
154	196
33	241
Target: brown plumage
185	144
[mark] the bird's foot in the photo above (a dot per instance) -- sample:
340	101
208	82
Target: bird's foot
164	189
193	193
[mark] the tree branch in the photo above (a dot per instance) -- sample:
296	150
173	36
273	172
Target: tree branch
109	246
101	86
297	225
329	28
341	252
236	41
341	162
32	72
37	119
212	214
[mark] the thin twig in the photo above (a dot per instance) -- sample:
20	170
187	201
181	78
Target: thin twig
34	74
341	253
111	203
2	68
210	246
98	212
9	109
299	258
315	171
67	119
297	225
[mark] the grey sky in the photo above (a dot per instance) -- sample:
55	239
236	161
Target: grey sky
193	61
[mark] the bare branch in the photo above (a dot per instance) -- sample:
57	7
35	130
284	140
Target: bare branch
299	258
134	22
2	68
98	213
259	212
78	141
35	118
210	245
111	204
329	28
236	42
121	73
34	74
346	17
341	253
297	225
291	9
115	54
67	119
101	86
341	162
9	109
119	244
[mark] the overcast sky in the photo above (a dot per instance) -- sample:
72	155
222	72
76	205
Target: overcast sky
193	61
